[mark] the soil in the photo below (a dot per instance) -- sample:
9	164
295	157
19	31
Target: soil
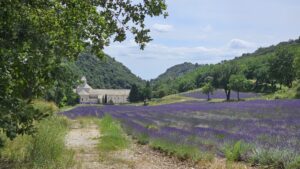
84	139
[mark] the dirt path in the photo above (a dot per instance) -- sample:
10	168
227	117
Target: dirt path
84	140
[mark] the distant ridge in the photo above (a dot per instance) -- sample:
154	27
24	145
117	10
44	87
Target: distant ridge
176	71
106	73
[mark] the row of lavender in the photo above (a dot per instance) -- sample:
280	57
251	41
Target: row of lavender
267	124
220	94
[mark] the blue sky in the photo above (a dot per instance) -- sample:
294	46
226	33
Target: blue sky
209	31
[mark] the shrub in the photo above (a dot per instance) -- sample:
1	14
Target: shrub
46	107
143	139
236	152
272	158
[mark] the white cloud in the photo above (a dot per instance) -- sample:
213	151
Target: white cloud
240	44
162	27
156	58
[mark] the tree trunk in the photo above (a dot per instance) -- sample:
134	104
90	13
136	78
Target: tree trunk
227	94
238	95
208	97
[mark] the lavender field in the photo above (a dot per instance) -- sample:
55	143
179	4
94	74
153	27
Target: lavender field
264	124
220	94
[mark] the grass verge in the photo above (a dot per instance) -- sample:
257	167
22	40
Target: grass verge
112	136
45	149
183	152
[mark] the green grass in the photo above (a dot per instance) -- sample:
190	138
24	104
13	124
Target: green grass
112	136
45	107
183	152
48	146
175	98
45	149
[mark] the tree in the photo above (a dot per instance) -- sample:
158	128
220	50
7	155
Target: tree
237	83
36	36
297	65
281	67
221	75
186	85
66	77
134	95
147	92
207	89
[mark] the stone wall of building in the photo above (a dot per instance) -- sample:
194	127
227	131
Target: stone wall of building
88	95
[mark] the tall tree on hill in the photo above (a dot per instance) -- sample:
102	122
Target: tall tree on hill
221	76
36	36
282	68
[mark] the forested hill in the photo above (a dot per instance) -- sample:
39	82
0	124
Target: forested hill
106	72
265	67
176	71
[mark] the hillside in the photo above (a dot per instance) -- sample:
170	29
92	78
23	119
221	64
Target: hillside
255	67
106	73
176	71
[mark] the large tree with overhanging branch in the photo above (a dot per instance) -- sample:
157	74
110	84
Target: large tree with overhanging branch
36	36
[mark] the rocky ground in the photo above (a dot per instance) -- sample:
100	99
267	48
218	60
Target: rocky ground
83	139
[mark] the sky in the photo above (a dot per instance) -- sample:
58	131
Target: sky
208	31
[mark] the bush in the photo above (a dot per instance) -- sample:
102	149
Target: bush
272	158
142	139
45	107
236	152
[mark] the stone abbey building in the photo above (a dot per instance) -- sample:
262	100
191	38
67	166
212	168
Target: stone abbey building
88	95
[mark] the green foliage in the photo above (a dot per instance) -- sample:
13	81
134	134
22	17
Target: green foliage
281	67
106	72
135	94
235	152
186	85
17	117
175	72
147	92
67	77
297	65
112	136
46	149
222	74
255	67
295	164
36	37
207	89
183	152
142	139
45	107
273	158
237	83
